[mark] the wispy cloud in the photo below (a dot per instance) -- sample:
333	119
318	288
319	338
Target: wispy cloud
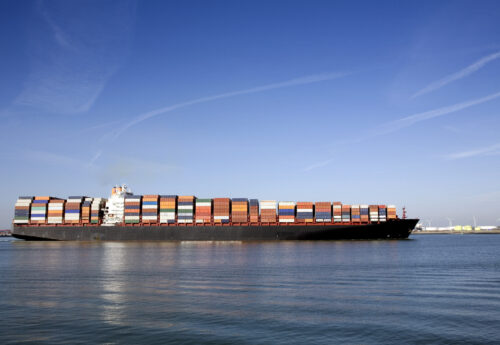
408	121
289	83
53	158
74	53
396	125
457	75
318	165
491	150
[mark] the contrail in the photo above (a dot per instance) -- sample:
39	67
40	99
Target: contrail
483	151
458	75
408	121
293	82
411	120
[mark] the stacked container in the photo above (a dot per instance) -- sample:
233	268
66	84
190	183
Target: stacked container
254	210
55	214
203	210
87	202
150	209
355	213
268	211
323	211
346	213
22	210
239	210
365	213
39	209
73	209
286	211
185	209
304	211
96	210
337	211
373	213
391	212
382	213
168	205
132	209
221	210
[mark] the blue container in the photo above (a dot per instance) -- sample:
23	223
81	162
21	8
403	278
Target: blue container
72	211
286	212
149	203
168	196
132	214
149	213
185	203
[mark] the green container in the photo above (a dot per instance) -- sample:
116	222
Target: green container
185	211
167	209
21	218
204	200
37	208
131	222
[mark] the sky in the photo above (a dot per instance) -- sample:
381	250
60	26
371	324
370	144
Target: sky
386	102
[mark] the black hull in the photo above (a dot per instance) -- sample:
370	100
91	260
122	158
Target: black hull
397	229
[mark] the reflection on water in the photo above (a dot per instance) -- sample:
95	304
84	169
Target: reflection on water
433	289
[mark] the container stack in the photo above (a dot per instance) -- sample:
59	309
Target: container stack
72	209
150	208
391	212
55	214
168	205
96	210
355	213
254	210
382	213
132	209
373	213
268	211
221	210
286	211
239	210
87	203
346	213
185	209
203	210
22	210
337	211
323	211
304	211
39	209
365	214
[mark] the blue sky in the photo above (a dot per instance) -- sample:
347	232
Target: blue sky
360	102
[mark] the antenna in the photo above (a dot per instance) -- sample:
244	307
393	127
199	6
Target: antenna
450	223
474	218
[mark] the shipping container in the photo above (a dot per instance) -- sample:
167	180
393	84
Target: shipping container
305	212
203	210
239	210
323	211
132	209
286	211
150	209
185	209
373	213
268	211
221	212
254	210
168	208
22	210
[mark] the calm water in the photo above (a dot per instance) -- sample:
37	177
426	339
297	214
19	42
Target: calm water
441	289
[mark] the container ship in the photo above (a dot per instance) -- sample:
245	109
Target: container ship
128	217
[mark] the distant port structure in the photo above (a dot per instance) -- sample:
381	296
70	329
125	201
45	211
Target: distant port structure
457	229
5	233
